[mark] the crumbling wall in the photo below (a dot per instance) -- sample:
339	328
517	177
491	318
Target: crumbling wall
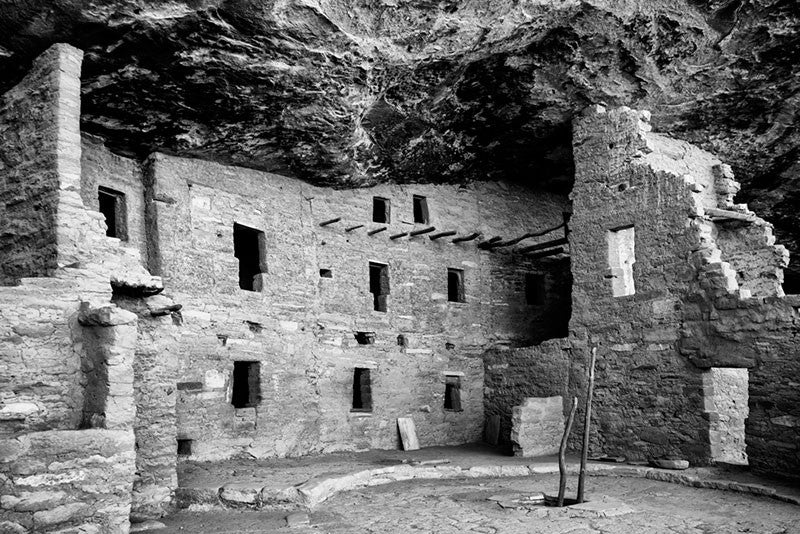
29	174
648	398
301	327
67	480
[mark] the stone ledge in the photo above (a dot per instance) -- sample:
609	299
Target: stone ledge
317	490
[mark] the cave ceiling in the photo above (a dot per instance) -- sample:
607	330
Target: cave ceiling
350	93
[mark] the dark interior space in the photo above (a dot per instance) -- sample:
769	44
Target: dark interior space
452	393
455	285
381	212
112	206
246	384
379	285
362	390
248	247
421	210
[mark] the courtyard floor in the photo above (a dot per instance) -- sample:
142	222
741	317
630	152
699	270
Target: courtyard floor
475	490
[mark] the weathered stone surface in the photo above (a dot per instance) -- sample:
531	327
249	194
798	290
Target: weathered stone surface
665	463
537	426
297	519
106	316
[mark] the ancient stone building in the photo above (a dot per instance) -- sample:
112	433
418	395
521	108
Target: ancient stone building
169	308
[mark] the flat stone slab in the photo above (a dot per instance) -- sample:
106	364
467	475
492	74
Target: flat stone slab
147	525
602	506
297	519
670	464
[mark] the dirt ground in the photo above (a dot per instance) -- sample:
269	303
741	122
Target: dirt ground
492	506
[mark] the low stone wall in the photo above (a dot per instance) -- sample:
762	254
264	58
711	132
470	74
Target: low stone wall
58	479
511	376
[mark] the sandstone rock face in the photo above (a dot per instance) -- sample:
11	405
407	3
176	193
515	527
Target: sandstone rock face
353	92
537	426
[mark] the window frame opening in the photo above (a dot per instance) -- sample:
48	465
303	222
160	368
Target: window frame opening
621	244
420	208
112	204
326	273
455	285
535	289
362	390
452	393
249	247
185	446
381	210
246	384
379	285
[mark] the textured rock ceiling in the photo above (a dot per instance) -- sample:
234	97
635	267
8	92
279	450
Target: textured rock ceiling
352	92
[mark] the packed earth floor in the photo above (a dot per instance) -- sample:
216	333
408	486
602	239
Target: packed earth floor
487	506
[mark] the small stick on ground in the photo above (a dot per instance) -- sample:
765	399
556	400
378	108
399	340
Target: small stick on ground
562	451
587	421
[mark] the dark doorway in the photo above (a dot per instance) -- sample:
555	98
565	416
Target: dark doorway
379	285
246	384
112	205
362	390
248	247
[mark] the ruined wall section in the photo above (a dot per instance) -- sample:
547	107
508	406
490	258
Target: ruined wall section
301	326
512	375
648	398
29	179
102	168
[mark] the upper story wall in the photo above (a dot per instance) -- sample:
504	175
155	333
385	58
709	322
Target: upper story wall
35	118
196	204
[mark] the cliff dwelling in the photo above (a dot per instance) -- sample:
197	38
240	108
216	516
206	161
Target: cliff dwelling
180	298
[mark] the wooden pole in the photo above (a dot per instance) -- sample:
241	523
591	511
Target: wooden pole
546	244
469	237
423	231
587	421
356	227
377	230
488	243
448	233
562	452
330	221
398	236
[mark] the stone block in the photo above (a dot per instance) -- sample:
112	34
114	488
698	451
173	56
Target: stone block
537	426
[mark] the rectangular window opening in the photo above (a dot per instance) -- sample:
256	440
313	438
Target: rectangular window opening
379	285
381	210
184	447
246	384
325	273
112	205
621	257
362	390
455	285
250	248
534	289
452	393
421	210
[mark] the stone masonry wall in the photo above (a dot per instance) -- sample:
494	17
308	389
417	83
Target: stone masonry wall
301	327
726	388
512	375
28	174
62	480
648	398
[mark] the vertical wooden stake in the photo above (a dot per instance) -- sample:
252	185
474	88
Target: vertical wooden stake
562	451
586	423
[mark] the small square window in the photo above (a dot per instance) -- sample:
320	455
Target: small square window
452	393
112	205
362	390
381	210
455	285
184	447
246	384
421	210
325	273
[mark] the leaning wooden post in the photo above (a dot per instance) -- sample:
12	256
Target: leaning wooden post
562	451
586	423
